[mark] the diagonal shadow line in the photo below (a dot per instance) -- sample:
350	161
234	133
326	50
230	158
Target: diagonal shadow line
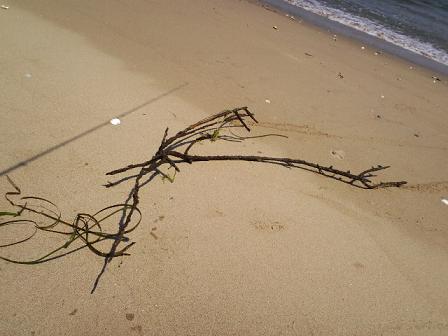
87	132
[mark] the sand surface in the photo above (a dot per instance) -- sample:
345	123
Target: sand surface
241	248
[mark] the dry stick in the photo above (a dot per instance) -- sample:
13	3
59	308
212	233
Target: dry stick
171	152
196	133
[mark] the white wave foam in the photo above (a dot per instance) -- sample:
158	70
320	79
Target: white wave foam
375	29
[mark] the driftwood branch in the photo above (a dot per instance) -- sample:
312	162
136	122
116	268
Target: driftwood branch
172	152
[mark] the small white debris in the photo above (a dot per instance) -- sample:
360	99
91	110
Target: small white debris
411	67
363	47
115	121
5	7
267	101
445	200
382	96
28	75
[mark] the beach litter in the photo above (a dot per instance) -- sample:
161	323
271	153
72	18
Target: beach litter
115	121
445	200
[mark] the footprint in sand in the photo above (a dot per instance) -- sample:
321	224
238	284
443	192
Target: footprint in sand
338	154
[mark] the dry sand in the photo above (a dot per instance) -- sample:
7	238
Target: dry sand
242	249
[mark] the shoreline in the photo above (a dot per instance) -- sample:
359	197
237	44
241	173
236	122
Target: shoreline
358	36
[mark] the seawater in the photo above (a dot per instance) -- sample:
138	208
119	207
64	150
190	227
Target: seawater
420	26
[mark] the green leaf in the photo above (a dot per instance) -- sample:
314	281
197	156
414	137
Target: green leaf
215	135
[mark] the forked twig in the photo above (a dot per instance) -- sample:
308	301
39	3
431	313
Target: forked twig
172	152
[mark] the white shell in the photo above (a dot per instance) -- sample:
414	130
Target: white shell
115	121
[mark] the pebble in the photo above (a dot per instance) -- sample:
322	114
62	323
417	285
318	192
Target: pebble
275	27
5	7
267	101
382	96
444	200
115	121
28	75
363	47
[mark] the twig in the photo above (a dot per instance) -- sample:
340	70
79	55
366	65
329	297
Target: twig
172	151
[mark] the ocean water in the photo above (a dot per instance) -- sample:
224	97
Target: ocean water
420	26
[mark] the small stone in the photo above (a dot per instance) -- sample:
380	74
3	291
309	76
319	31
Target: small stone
363	47
28	75
275	27
5	7
382	96
444	200
267	101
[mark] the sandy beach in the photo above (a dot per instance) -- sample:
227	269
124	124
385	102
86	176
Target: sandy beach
229	248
